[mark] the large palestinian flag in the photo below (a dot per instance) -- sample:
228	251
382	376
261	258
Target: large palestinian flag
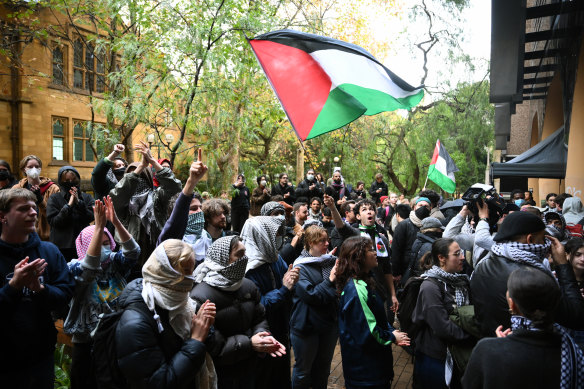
324	83
442	169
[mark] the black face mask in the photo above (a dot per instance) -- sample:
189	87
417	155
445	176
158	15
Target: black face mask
4	175
119	173
422	213
67	186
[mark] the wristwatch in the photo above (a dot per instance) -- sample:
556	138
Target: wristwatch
485	219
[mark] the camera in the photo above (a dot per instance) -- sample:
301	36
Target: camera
481	193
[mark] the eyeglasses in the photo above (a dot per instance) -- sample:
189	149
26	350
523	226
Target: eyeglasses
457	253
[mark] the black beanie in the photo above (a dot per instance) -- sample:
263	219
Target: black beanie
518	223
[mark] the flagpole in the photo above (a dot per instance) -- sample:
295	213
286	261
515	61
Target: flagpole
425	182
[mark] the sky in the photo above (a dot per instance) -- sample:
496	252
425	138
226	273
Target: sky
476	26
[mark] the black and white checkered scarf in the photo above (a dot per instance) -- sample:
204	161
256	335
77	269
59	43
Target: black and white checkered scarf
326	262
460	283
216	269
526	253
270	207
259	235
572	364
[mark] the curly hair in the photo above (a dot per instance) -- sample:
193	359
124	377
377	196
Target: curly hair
351	262
213	207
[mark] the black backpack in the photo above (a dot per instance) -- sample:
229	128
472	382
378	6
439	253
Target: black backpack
409	298
105	360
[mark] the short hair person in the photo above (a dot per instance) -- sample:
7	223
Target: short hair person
34	280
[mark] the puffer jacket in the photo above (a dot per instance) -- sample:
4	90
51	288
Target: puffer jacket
303	190
47	189
148	358
489	285
240	315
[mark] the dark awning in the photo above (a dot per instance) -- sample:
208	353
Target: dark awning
547	159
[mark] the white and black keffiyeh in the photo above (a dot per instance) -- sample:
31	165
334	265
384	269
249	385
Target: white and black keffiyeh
460	283
531	254
572	363
270	207
259	236
326	262
216	269
311	222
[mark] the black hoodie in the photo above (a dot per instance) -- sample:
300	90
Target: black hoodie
27	330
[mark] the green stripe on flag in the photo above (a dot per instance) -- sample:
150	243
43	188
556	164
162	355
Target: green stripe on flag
443	181
348	102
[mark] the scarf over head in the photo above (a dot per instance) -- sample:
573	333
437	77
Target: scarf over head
142	201
270	207
84	238
167	288
261	236
572	363
216	269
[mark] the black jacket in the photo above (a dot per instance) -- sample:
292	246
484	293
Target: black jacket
277	189
240	315
489	285
524	359
27	329
240	198
68	221
148	358
404	237
303	190
315	302
373	190
432	309
99	180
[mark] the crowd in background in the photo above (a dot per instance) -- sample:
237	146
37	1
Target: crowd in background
216	292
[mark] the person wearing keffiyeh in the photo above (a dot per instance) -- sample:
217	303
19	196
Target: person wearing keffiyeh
160	340
313	324
241	333
442	290
534	352
141	207
262	237
521	242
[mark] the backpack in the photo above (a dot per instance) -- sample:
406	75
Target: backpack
574	230
407	305
415	255
105	360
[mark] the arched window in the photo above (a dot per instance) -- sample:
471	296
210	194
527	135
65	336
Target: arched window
58	66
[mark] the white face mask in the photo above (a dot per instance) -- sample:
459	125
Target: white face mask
263	183
33	173
310	177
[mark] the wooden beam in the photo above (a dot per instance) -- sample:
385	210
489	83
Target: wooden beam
551	34
535	90
538	80
545	53
534	97
539	69
553	9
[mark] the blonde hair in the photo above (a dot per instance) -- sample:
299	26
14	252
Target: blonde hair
178	253
312	235
25	160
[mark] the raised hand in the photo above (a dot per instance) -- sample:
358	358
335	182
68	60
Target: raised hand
99	213
74	196
198	168
202	321
27	274
333	275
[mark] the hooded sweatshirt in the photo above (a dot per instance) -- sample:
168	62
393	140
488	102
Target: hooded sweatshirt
572	210
27	328
66	220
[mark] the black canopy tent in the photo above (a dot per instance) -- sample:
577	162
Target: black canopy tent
547	159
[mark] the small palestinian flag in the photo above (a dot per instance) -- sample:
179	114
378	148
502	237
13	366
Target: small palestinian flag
442	169
323	83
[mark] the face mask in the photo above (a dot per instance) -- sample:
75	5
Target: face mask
337	181
310	177
4	175
69	185
119	173
33	173
263	183
195	223
105	253
519	202
422	213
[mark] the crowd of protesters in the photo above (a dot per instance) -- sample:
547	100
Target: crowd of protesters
217	293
